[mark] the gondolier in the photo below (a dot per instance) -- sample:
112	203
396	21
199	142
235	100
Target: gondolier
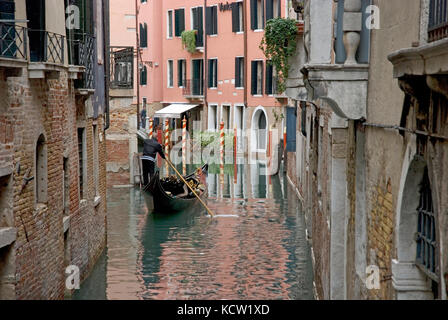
150	149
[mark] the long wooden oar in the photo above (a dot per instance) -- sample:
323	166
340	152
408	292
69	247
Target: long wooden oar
184	181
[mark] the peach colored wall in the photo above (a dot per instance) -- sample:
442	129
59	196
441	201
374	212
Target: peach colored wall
225	46
122	27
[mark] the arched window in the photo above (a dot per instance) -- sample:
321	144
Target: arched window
427	254
41	175
261	136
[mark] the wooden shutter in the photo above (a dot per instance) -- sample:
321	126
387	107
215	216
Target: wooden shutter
269	9
181	21
291	123
235	18
179	73
269	70
215	19
237	73
210	73
253	14
176	23
254	77
209	20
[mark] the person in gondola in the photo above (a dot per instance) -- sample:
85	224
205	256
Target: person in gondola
150	149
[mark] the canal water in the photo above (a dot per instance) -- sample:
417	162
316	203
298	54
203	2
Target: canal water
255	247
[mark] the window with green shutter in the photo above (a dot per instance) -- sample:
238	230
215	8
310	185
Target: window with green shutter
237	17
239	72
211	20
257	78
213	73
179	22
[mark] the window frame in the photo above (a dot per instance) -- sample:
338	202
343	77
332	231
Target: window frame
170	73
170	24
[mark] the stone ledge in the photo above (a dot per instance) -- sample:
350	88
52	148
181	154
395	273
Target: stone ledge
96	201
66	223
328	81
42	70
74	72
121	93
427	59
6	171
7	236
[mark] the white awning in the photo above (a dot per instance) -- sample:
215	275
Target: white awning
174	110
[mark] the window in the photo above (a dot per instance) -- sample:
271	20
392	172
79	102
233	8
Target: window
213	73
179	22
41	175
237	17
427	256
291	125
226	116
143	76
212	117
256	14
197	23
143	1
438	20
181	73
96	169
273	9
143	35
257	78
270	79
211	20
239	72
197	85
82	162
66	187
170	74
169	29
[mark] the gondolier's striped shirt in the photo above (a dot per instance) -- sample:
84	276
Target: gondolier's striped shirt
148	158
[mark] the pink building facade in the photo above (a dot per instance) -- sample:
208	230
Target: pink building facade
226	79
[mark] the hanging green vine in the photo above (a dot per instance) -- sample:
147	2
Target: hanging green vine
189	40
278	45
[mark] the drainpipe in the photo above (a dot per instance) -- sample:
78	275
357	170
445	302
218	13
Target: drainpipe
106	47
245	53
205	58
137	45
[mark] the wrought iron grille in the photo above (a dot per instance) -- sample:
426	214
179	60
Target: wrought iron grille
426	231
81	52
52	48
438	20
193	87
122	67
13	41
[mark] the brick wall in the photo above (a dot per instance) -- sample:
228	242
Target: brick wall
37	107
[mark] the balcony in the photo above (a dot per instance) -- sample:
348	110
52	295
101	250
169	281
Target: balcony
193	89
122	68
46	54
81	49
13	46
438	20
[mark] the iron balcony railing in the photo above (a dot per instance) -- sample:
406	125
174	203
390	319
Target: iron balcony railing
122	67
81	52
13	41
438	20
46	46
193	87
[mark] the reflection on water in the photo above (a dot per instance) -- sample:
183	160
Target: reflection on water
255	248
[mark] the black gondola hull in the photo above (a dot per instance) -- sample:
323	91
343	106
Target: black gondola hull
161	202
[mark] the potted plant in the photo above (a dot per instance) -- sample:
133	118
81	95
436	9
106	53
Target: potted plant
189	40
278	45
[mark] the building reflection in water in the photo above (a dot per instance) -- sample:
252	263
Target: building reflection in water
255	248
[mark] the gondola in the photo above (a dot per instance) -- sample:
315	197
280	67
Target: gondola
163	199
